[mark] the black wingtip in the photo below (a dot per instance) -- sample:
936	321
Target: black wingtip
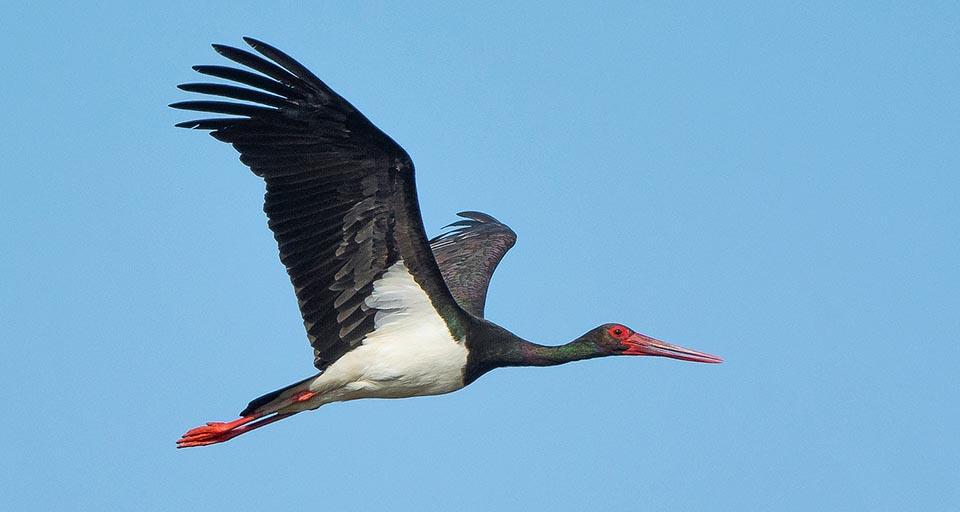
238	55
471	219
479	217
221	48
261	47
253	42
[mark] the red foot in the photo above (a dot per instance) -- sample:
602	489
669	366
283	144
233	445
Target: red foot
217	432
213	432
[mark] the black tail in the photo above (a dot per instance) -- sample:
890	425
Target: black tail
257	403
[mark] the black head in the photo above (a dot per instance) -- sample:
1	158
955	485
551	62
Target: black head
620	340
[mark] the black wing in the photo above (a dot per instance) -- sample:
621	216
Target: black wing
469	254
341	198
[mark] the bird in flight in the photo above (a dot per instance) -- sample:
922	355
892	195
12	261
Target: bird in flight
389	313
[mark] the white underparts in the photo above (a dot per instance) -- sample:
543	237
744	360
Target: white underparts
410	352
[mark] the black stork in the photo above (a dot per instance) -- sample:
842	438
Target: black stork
388	313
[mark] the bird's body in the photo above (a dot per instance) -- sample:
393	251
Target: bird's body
389	314
410	351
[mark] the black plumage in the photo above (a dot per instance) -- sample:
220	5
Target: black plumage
340	199
388	314
468	255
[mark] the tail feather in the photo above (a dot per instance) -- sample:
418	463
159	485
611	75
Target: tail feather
257	404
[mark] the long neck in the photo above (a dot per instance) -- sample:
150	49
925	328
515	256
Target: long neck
495	347
532	354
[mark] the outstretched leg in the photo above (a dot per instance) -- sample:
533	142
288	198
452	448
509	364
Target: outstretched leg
217	432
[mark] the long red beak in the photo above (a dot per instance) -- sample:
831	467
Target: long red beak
641	345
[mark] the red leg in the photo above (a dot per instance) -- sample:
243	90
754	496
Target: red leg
217	432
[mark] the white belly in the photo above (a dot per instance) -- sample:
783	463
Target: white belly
409	353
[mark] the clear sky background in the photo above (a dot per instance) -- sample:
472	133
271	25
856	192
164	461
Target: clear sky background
774	184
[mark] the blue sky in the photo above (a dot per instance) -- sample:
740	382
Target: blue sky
774	184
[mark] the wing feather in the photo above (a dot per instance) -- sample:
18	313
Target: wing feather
468	255
340	194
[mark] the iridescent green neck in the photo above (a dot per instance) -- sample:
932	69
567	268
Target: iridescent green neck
532	354
491	346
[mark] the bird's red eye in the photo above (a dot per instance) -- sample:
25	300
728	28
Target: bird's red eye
619	331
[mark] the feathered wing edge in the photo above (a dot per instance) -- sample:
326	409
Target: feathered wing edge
469	254
341	197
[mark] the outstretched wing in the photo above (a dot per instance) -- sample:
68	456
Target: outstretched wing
469	254
341	198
